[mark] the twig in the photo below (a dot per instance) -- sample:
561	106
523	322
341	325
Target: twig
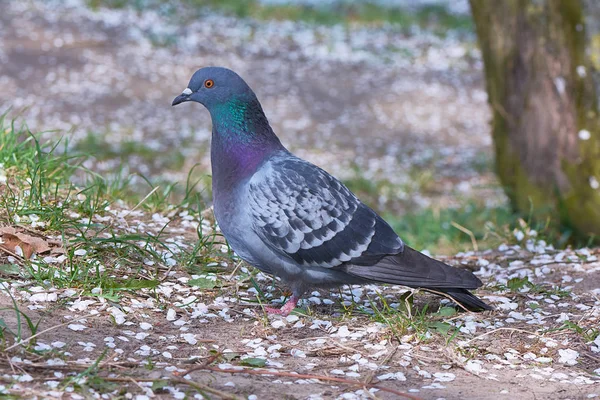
305	376
205	364
198	386
348	348
314	338
136	383
371	395
387	358
11	253
468	232
33	231
421	357
12	367
592	357
49	329
167	273
141	202
234	270
501	329
202	387
446	295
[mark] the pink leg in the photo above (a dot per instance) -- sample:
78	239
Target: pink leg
286	309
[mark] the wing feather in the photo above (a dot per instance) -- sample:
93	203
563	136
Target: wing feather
301	211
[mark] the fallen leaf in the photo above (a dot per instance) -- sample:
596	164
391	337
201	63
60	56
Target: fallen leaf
7	229
254	362
203	283
11	239
158	385
10	269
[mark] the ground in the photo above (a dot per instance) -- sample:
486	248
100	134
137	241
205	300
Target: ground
142	342
108	296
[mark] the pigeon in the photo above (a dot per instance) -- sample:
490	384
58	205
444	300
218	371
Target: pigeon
291	219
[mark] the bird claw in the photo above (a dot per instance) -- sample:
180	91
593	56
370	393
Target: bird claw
286	309
276	311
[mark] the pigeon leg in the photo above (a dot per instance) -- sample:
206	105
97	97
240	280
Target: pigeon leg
286	309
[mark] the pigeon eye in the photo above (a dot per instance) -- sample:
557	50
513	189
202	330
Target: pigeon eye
209	83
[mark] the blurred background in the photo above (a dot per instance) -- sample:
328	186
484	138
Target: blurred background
387	95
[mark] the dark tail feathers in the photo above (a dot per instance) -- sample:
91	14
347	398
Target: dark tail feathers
464	298
414	269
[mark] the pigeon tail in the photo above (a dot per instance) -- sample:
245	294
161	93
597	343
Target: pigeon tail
464	298
414	269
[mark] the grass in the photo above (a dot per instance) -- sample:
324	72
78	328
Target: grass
409	320
129	151
101	255
128	183
405	318
436	230
469	224
42	174
18	334
475	226
588	334
431	17
440	230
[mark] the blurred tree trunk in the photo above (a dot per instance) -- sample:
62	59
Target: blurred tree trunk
541	58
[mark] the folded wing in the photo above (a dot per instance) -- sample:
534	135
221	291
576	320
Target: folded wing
301	211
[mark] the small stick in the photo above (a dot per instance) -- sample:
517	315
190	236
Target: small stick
202	387
141	202
234	270
501	329
468	232
198	386
48	330
205	364
387	358
11	253
305	376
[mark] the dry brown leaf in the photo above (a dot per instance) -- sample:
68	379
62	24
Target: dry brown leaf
29	244
7	229
57	251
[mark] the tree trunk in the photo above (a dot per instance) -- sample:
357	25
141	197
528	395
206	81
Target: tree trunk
542	90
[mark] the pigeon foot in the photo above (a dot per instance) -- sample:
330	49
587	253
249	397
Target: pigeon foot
286	309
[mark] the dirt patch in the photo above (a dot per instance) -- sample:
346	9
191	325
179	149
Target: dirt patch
540	332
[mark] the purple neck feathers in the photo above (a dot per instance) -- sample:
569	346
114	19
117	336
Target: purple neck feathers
241	140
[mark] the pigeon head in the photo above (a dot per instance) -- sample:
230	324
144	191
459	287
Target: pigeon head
241	134
236	113
214	87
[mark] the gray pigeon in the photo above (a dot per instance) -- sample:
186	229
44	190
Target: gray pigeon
291	219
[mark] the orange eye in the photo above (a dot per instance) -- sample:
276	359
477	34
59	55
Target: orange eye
209	83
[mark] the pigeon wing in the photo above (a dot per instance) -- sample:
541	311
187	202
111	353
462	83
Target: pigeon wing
301	211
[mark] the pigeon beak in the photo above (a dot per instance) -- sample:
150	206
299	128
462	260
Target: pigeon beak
183	97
